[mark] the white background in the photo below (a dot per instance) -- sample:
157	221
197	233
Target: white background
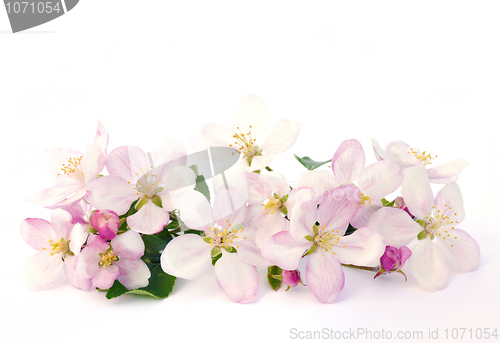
426	72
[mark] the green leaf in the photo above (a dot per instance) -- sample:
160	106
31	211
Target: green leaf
201	184
160	285
309	163
154	244
386	203
196	232
350	229
215	259
273	271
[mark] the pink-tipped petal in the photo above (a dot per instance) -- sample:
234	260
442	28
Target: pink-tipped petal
133	273
339	207
321	181
77	238
395	225
380	179
41	270
105	277
102	137
430	266
364	214
75	276
447	172
92	163
324	276
128	162
36	233
304	216
150	219
400	151
461	249
252	111
380	154
416	190
58	160
348	161
187	257
128	245
362	248
281	136
238	280
229	205
111	193
62	222
54	193
170	152
285	251
269	225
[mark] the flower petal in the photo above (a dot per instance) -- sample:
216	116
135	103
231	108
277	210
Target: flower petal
230	206
62	222
395	225
304	216
461	249
37	232
170	152
56	159
187	257
211	135
400	151
447	172
380	179
111	193
150	219
128	162
77	238
416	191
363	247
260	162
133	273
54	193
41	270
450	203
269	225
364	214
93	162
253	115
248	251
285	251
105	277
195	210
128	245
238	280
338	207
281	136
430	266
102	137
380	154
75	276
321	181
324	277
348	161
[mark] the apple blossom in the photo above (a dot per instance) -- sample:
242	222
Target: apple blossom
58	243
250	123
375	181
157	184
318	232
120	259
189	256
72	171
407	157
443	248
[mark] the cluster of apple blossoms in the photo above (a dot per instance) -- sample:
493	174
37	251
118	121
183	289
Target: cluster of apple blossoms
152	217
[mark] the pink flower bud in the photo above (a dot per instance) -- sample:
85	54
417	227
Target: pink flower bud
106	223
291	278
400	203
393	260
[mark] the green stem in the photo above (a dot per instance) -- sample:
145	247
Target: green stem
269	169
370	269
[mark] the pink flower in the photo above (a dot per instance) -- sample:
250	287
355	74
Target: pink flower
407	157
72	171
442	247
393	260
189	256
58	243
318	232
104	262
375	181
106	223
132	176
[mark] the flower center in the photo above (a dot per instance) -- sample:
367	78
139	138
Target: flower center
272	205
59	247
324	239
246	145
148	184
73	169
365	198
434	222
424	158
224	237
107	258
